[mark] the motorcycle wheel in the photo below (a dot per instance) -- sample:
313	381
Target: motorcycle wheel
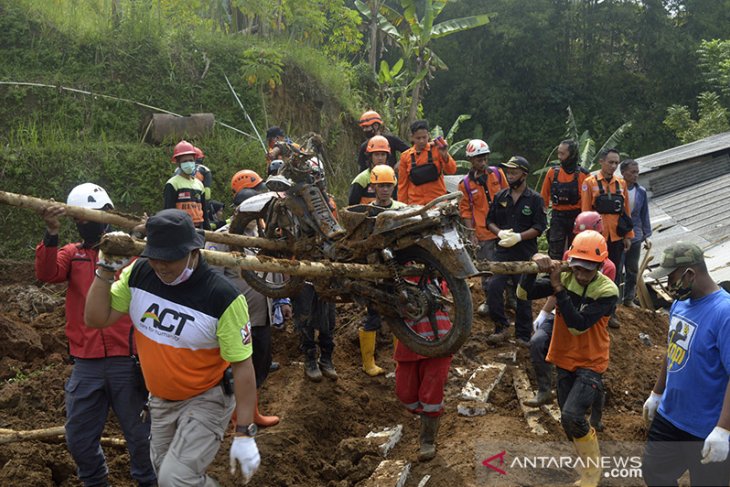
269	284
430	299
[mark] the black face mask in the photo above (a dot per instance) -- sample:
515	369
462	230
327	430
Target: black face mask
516	184
91	232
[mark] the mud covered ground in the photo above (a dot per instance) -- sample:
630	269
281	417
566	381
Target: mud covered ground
316	443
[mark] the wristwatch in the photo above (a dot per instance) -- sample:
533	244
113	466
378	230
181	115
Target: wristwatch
249	430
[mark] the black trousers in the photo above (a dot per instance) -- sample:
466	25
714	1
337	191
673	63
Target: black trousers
561	235
261	356
670	452
495	301
616	255
312	314
577	391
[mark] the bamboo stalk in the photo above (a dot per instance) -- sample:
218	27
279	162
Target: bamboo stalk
124	245
52	433
129	222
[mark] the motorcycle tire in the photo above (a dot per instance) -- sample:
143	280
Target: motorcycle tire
262	281
460	311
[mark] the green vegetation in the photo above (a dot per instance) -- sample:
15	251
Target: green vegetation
315	65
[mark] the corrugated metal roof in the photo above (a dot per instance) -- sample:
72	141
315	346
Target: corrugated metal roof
684	152
696	214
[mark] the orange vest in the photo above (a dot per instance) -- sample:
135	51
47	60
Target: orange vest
476	206
411	194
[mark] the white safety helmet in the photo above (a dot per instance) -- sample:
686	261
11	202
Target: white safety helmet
476	147
89	195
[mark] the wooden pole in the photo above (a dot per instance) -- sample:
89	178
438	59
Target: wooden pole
124	245
129	222
52	433
487	267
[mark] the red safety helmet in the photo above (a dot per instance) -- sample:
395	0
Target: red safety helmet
588	220
589	245
182	148
245	178
199	153
369	118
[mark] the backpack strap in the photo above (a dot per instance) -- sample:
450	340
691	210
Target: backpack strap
554	185
467	187
495	170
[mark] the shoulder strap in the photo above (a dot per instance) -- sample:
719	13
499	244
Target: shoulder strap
554	184
467	187
495	170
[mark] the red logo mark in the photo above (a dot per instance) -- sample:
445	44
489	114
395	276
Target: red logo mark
487	463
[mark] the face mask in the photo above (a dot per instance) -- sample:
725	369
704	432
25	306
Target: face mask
91	232
677	291
516	184
187	167
184	275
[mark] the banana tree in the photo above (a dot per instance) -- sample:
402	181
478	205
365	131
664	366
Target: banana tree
587	153
413	35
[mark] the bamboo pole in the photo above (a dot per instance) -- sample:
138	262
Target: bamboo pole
124	245
52	433
129	222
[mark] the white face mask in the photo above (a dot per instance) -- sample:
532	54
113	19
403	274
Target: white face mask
187	167
184	275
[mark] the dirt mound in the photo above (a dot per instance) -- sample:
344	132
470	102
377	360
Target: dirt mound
319	440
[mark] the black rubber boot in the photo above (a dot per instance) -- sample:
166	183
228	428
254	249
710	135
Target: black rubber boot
311	369
429	430
326	367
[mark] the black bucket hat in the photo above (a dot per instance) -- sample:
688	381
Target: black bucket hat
171	235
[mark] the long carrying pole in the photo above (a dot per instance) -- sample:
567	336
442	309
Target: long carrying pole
235	95
129	222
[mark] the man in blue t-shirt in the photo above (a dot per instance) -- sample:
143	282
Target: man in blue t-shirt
689	407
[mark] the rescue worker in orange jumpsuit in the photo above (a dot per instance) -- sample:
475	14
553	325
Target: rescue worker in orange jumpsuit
479	187
422	167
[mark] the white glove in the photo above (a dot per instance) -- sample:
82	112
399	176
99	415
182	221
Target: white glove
245	452
504	233
540	319
112	263
650	406
509	239
716	446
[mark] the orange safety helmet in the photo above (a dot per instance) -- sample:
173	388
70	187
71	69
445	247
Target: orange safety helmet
183	148
245	178
382	174
589	245
199	153
588	220
369	118
378	143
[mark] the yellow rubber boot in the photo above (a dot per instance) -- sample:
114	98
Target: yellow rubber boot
367	350
589	452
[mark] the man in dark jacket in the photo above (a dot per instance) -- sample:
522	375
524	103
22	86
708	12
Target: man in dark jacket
517	217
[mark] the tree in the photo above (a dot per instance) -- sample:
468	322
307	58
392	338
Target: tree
413	36
712	118
587	153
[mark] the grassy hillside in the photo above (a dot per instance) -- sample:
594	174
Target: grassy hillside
53	139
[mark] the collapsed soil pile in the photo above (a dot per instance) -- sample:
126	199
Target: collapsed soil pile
318	441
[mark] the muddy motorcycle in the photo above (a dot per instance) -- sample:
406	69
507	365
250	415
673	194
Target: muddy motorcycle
420	246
